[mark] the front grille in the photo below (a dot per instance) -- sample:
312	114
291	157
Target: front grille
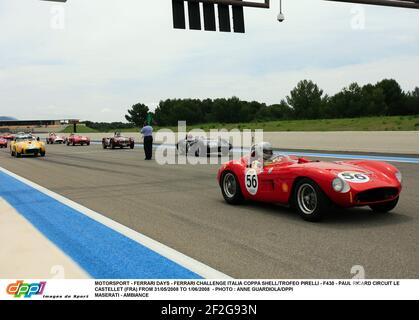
379	194
31	151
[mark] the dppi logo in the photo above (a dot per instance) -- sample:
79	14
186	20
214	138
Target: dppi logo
27	290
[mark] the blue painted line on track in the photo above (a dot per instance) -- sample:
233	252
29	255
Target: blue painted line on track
99	250
354	157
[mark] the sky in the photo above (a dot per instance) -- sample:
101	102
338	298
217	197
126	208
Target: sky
93	59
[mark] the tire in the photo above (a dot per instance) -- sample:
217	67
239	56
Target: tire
12	153
112	145
310	200
88	144
232	193
68	143
384	207
104	145
132	146
42	154
18	155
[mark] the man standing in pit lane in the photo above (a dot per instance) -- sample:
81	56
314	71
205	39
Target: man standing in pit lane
147	132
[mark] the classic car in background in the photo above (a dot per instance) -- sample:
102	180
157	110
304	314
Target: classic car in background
202	146
75	139
3	142
118	141
54	138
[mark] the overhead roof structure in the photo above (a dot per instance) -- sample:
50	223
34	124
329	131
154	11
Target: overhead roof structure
231	12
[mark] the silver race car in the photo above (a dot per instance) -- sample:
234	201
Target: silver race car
202	146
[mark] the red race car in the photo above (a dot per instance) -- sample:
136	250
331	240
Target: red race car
3	142
310	186
8	136
118	141
53	138
74	139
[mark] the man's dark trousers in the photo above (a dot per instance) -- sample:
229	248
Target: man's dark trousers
148	147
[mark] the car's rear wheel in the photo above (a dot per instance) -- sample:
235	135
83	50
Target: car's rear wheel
385	207
18	154
12	153
230	188
104	145
132	145
310	201
42	154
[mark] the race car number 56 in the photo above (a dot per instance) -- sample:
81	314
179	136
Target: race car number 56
251	181
354	177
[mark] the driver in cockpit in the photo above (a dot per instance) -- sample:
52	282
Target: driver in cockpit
261	154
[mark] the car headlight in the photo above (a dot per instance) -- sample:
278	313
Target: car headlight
399	176
340	185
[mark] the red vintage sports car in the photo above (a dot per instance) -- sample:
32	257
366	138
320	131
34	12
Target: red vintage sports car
8	136
3	142
311	186
54	138
74	139
118	141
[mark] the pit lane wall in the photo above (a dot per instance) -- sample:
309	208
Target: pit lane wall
391	142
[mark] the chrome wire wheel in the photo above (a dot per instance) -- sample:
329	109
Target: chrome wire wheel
230	185
307	199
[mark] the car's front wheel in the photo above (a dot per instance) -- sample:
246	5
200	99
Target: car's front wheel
230	188
385	207
310	200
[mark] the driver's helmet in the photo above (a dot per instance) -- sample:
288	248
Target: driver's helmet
117	134
265	148
189	137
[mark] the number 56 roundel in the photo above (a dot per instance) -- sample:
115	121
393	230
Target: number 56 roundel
252	182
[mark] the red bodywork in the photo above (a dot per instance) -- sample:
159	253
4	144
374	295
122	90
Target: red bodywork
276	181
8	136
78	140
3	143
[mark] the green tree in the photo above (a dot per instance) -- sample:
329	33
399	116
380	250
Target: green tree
412	102
306	99
345	104
137	115
393	96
